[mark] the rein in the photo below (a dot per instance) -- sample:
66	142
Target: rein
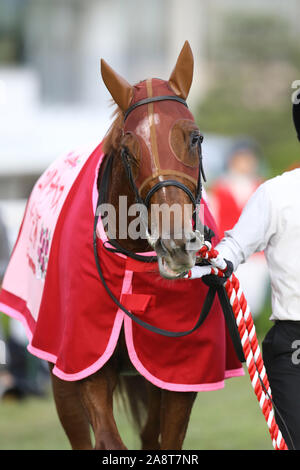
117	248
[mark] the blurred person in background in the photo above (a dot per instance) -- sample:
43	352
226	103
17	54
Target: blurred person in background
23	374
228	196
6	378
4	248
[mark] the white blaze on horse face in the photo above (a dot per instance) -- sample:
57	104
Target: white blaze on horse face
143	130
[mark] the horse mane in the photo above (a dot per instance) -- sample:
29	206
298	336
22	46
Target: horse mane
112	138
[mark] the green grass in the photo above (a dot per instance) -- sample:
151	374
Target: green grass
224	419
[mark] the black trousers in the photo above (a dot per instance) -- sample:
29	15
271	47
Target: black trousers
281	354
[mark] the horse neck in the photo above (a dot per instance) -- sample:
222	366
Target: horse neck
119	186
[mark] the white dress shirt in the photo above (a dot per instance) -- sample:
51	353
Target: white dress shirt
270	222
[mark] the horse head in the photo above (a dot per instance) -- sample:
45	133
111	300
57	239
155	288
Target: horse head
160	145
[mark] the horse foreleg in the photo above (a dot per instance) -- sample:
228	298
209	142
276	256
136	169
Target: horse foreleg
175	414
96	393
151	430
71	413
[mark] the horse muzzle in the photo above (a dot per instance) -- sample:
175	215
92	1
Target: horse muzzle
177	255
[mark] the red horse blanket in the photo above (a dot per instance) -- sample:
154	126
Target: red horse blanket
53	287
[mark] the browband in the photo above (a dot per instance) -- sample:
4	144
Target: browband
153	100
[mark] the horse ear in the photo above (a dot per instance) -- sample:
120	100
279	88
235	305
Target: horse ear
119	88
182	76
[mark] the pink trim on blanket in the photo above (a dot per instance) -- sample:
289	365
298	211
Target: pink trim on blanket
167	385
234	373
102	360
41	354
126	288
24	315
52	358
11	312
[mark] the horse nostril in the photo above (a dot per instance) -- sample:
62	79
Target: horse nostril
163	246
193	244
160	248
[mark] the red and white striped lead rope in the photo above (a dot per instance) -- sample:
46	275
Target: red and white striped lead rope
246	328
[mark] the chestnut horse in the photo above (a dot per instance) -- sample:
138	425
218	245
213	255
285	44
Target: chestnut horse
90	401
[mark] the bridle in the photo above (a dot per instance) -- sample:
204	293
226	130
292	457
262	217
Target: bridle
170	182
146	201
208	234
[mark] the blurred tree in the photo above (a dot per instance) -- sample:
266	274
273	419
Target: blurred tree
11	31
253	63
258	38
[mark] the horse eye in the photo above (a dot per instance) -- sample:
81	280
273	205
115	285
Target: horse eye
195	139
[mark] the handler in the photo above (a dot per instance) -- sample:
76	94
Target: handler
270	222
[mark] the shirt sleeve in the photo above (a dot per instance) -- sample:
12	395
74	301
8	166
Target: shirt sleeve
253	231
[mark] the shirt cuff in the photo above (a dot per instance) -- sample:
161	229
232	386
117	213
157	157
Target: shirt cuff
229	249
